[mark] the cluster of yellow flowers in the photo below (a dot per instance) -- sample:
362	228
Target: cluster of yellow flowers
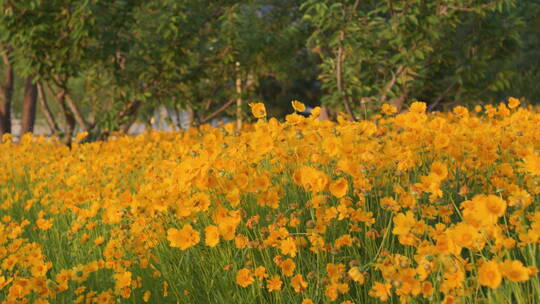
405	208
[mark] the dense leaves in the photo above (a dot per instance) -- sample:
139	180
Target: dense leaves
105	63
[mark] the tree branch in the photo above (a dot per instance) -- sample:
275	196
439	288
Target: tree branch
42	98
216	112
391	83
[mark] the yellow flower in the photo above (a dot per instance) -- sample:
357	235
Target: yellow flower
244	277
515	271
274	284
339	187
184	238
288	246
258	110
211	236
298	106
122	279
260	273
387	109
44	224
513	102
287	267
532	163
403	223
298	283
99	240
381	291
495	206
146	296
241	241
489	274
418	107
315	112
356	275
81	136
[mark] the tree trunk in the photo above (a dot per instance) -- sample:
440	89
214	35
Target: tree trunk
6	94
53	125
324	113
69	120
238	98
129	113
79	118
399	101
339	77
29	106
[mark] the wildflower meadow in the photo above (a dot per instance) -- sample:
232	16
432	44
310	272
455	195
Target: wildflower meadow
409	207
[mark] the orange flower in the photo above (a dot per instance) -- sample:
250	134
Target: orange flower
211	236
513	102
381	291
403	223
44	224
495	206
388	109
258	110
260	273
241	241
298	283
532	163
418	107
515	271
489	274
298	106
287	267
288	246
356	275
464	235
439	170
184	238
274	284
99	240
244	277
339	187
146	296
122	279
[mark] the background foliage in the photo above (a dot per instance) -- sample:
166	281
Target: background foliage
103	64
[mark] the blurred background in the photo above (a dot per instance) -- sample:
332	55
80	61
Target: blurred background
102	66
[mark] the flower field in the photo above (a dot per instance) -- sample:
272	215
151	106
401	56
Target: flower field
401	208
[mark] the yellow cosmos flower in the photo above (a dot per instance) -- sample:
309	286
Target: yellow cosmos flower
260	273
184	238
288	246
211	236
515	271
356	275
387	109
298	283
287	267
513	102
258	110
244	277
298	106
339	187
418	107
532	163
274	284
489	274
381	291
122	279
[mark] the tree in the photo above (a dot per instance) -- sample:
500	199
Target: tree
6	93
374	52
29	106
